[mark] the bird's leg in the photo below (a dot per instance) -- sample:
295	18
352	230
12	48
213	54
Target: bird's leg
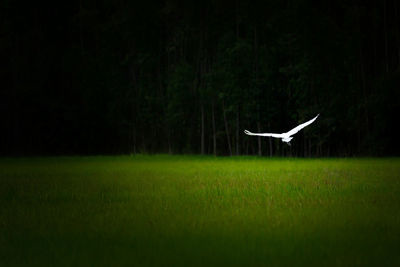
289	144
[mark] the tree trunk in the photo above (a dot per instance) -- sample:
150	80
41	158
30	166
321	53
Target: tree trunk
364	91
237	19
144	143
270	142
214	132
134	112
270	147
202	129
278	151
237	133
169	143
134	139
15	95
386	36
82	46
226	128
259	139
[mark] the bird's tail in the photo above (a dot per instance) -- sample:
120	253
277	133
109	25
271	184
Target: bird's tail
247	132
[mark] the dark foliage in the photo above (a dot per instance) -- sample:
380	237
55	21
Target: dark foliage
97	77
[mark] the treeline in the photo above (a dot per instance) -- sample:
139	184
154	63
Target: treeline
115	76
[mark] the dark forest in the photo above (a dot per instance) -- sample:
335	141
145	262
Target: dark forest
121	77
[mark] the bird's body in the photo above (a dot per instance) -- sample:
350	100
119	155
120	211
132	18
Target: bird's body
286	137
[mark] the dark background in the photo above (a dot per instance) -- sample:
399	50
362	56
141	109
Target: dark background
113	76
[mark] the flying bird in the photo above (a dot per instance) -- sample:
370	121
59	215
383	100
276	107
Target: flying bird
286	137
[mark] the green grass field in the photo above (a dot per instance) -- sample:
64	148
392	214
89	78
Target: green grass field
191	210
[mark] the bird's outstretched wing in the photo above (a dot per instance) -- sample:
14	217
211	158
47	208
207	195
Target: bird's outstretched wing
301	126
264	134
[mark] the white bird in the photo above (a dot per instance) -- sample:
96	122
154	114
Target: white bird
286	137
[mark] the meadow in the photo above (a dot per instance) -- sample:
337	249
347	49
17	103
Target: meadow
199	211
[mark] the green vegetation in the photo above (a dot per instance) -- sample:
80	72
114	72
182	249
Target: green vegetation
193	210
187	77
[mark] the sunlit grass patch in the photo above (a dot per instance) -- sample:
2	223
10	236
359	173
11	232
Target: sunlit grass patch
189	210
